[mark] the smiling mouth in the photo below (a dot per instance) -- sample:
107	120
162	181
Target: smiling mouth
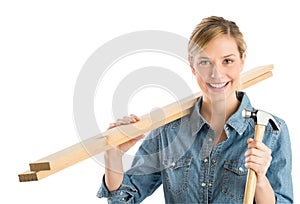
218	85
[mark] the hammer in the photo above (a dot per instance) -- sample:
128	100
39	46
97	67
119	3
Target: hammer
261	119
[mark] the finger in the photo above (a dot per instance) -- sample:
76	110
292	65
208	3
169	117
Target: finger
112	125
252	143
122	121
127	120
261	154
117	123
130	119
258	168
255	159
258	145
254	152
127	145
249	140
258	157
253	166
135	117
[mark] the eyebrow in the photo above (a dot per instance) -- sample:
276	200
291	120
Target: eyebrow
202	57
229	55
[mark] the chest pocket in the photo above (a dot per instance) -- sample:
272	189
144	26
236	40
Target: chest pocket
234	179
176	175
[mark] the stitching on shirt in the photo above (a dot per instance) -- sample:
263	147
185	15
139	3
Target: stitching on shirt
179	168
234	174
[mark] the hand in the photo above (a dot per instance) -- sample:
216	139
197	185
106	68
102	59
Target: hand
122	148
258	158
114	173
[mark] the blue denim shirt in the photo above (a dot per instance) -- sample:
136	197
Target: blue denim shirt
181	156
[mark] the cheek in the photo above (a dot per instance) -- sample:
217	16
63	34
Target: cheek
202	74
234	72
237	73
200	80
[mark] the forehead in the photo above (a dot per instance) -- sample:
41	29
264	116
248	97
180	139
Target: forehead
221	46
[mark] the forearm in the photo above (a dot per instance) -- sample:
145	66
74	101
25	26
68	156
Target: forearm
113	171
264	192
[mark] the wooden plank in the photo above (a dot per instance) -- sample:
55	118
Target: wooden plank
65	158
256	80
118	135
255	72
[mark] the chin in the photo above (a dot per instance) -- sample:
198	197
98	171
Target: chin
222	96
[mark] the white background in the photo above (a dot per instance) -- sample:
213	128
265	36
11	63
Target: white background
44	44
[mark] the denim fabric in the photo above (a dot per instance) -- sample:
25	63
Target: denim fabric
181	156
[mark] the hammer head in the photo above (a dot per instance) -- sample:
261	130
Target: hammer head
261	118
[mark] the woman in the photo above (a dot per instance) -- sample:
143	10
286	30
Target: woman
204	157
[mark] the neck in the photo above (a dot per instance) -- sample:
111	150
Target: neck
216	113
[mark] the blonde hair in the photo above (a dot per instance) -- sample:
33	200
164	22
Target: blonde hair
209	29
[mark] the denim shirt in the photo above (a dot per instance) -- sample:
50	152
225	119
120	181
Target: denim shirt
181	156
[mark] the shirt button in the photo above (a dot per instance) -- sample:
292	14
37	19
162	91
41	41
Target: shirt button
210	184
173	164
213	161
203	184
121	193
205	160
241	169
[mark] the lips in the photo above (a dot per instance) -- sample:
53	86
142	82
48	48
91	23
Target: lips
218	85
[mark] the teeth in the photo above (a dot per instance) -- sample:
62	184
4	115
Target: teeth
219	85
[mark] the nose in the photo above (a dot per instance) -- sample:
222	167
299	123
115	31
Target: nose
216	72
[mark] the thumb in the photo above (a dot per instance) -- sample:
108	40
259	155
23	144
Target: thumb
127	145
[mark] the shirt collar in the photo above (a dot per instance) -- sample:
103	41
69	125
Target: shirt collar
236	121
197	121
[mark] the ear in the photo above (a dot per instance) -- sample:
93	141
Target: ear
190	59
243	61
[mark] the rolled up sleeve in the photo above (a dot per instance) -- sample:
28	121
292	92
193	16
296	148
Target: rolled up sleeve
125	194
142	179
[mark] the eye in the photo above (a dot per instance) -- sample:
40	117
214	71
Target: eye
228	61
204	62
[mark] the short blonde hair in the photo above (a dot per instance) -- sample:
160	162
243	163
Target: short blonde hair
209	29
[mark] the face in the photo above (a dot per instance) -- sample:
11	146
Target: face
217	69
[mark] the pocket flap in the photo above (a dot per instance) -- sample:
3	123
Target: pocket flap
236	166
175	163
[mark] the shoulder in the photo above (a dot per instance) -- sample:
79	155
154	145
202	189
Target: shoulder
177	123
172	128
277	138
280	121
283	128
283	132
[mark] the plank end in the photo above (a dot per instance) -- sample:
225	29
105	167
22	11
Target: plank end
28	176
40	166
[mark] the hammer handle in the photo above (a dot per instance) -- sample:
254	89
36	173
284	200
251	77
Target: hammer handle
251	177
